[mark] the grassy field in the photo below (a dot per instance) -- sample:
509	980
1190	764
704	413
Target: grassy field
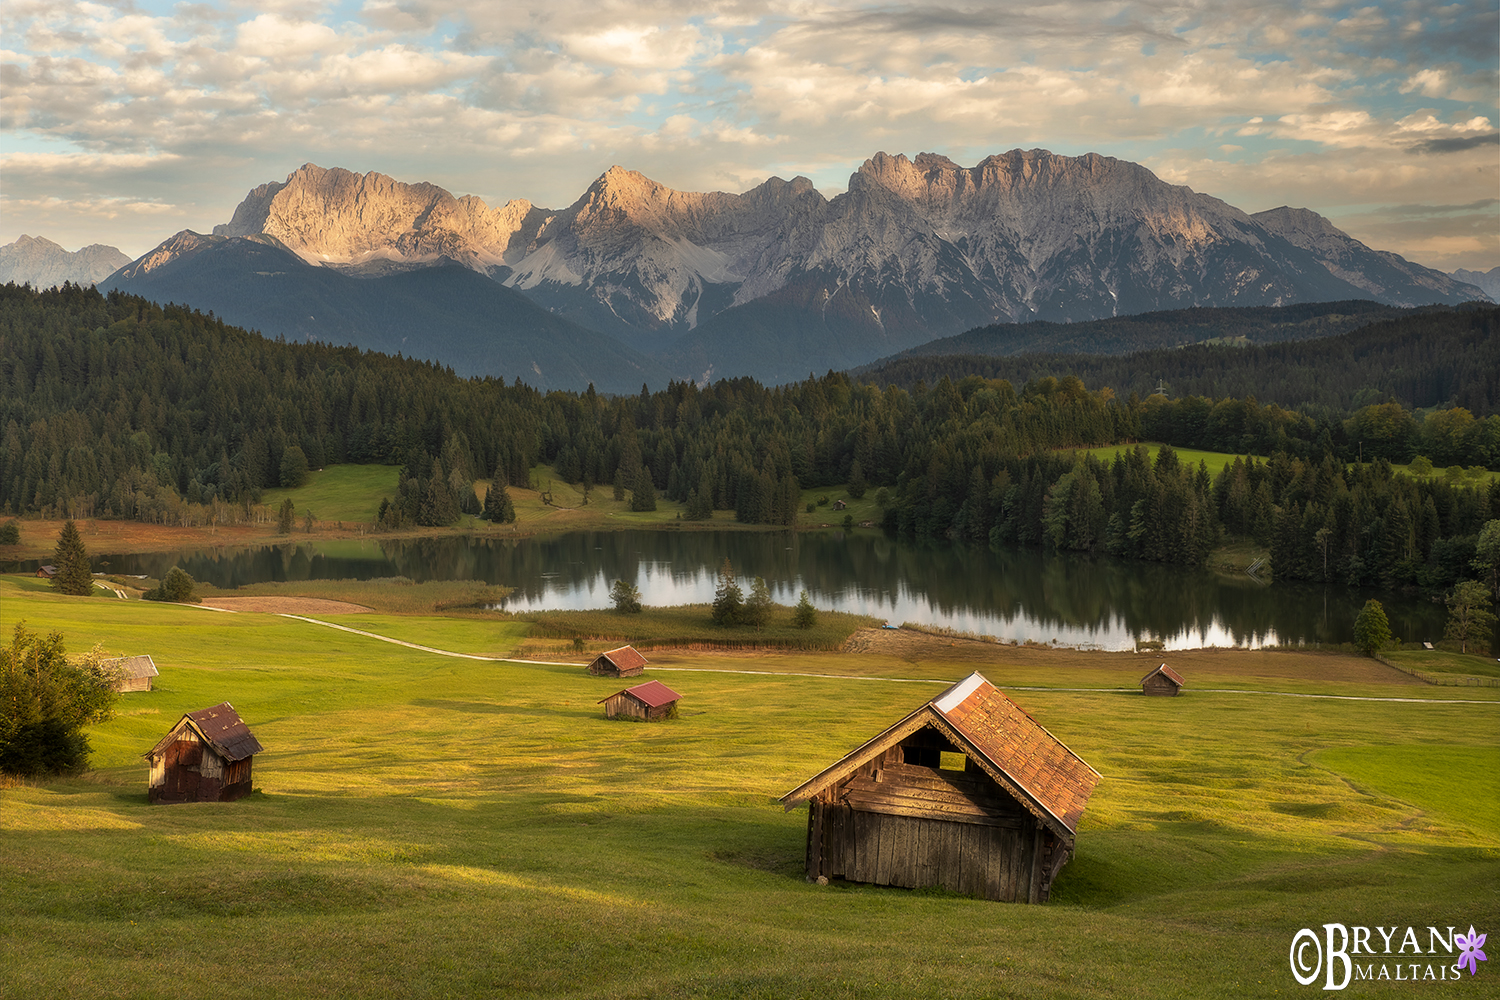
425	826
1450	662
340	492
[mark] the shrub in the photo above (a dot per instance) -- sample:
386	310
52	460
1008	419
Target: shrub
45	702
10	533
177	586
805	615
626	598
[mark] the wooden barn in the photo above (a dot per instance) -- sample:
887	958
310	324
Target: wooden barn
135	672
622	662
968	792
652	701
46	572
205	758
1162	681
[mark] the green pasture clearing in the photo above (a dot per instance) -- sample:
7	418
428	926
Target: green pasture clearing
388	595
1454	784
340	492
1442	661
425	827
1215	460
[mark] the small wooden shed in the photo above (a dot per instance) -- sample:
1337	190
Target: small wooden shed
622	662
135	672
46	572
968	792
1162	681
652	701
205	758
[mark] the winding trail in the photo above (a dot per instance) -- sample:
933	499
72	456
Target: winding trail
866	677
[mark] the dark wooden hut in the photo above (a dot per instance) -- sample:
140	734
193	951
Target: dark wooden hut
622	662
46	572
134	672
1162	681
968	792
652	701
205	758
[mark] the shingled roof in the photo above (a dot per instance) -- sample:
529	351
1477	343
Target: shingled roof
1037	769
625	658
222	728
133	667
1166	672
652	694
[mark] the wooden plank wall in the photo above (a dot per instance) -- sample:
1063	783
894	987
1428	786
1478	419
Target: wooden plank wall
998	863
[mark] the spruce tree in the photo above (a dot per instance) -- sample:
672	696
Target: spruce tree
72	562
728	598
757	610
805	616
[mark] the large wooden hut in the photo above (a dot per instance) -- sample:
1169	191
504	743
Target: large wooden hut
622	662
968	792
1162	681
205	758
652	701
134	673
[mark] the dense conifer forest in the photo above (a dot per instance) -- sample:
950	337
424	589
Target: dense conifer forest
116	407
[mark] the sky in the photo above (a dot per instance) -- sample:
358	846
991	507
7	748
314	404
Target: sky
123	123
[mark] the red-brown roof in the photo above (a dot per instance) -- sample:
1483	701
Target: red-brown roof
652	694
625	658
1045	776
1166	672
224	730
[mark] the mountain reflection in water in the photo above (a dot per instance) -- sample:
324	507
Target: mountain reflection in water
1090	602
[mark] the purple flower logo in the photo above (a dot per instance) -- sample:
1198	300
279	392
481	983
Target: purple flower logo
1469	946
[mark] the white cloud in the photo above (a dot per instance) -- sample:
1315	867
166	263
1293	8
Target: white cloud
532	98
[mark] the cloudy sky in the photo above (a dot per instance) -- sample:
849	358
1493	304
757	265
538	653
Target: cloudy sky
125	122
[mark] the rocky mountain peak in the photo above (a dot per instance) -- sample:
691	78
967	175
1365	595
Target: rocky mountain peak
37	261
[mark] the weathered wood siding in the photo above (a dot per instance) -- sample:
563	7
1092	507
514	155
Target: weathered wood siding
602	666
1159	684
624	706
188	770
134	684
901	820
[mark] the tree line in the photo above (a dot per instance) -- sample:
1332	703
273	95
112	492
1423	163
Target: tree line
116	407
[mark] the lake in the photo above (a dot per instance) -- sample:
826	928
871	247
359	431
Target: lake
1088	602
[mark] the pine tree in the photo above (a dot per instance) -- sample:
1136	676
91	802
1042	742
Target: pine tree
805	616
728	598
757	610
644	496
284	517
72	562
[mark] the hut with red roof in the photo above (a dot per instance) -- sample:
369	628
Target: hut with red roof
652	701
206	757
968	793
622	662
1162	681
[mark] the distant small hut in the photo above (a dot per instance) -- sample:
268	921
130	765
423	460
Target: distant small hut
968	792
652	701
46	572
622	662
205	758
134	672
1162	681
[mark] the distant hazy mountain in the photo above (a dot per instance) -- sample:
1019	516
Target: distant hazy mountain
443	313
1489	280
41	263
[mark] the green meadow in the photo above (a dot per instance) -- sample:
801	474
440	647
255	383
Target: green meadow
429	826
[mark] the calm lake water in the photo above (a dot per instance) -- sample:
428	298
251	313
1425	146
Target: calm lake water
1089	602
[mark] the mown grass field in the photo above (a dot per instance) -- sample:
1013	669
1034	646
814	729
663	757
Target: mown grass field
425	826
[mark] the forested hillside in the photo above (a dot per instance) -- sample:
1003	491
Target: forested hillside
115	407
1418	358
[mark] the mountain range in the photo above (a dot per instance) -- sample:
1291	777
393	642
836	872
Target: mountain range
35	261
775	282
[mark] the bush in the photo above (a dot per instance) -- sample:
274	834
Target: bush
10	533
177	586
45	702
